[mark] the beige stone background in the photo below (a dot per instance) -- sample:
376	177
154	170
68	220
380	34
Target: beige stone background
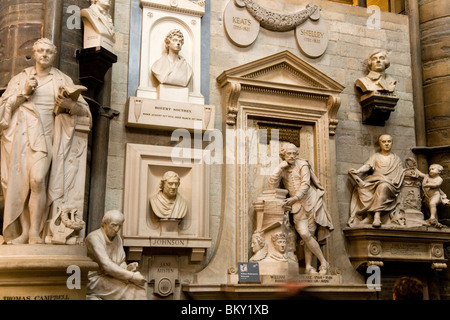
350	42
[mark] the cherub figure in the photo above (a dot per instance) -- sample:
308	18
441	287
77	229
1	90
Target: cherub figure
433	195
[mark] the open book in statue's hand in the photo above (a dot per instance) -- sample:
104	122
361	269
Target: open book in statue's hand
72	92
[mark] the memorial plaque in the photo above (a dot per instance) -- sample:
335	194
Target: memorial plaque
248	272
169	115
241	28
317	279
312	37
164	271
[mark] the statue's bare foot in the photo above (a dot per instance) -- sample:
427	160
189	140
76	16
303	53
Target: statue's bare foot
35	240
376	223
22	239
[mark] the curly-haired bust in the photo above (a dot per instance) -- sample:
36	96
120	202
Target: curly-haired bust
171	68
376	79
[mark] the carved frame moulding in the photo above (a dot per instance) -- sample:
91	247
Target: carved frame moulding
158	18
281	88
371	246
144	168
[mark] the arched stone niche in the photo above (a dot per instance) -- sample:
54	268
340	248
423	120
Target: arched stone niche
278	90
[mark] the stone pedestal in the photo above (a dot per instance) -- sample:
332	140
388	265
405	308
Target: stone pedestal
94	63
169	227
374	246
376	107
44	272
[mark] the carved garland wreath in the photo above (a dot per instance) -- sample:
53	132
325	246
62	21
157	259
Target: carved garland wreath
275	21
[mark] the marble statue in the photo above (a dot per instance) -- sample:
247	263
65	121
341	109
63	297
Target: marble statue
279	243
168	203
171	68
378	194
311	217
377	80
259	247
98	24
67	227
38	125
433	195
115	279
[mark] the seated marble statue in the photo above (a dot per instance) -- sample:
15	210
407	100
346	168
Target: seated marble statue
99	19
168	203
115	279
259	247
377	80
433	195
171	68
378	194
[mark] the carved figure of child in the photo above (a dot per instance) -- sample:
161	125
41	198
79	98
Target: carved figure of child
433	195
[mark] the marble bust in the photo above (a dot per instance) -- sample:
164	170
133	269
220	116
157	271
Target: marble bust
171	68
259	247
37	122
279	244
377	80
378	194
115	279
168	203
98	25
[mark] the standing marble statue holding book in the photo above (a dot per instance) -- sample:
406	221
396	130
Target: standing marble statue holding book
38	114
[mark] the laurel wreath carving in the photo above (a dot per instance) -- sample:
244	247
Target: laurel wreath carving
276	21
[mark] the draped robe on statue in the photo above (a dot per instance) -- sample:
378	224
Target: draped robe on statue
111	281
381	189
30	134
168	209
178	74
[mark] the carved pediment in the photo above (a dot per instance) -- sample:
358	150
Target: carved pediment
282	75
283	71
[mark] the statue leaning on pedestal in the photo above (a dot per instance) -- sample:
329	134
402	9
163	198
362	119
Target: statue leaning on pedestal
115	279
168	203
172	68
37	123
377	80
311	217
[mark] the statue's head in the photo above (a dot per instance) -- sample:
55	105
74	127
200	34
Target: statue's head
289	152
169	184
435	169
112	221
106	4
279	241
258	241
378	61
385	142
44	52
174	40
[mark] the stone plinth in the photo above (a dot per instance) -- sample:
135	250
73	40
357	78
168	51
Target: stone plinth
372	246
44	272
376	108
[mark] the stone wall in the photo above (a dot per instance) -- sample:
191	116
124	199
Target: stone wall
351	40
